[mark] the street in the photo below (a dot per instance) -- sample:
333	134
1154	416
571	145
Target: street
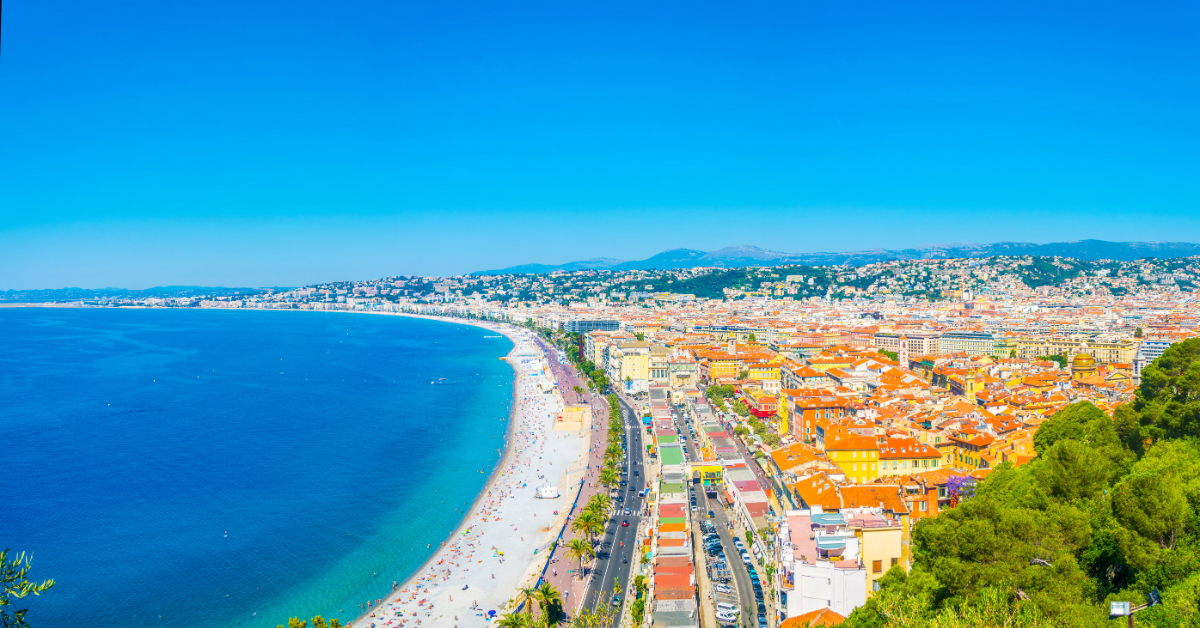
617	552
720	519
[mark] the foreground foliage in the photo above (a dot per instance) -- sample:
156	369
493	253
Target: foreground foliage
1108	511
14	578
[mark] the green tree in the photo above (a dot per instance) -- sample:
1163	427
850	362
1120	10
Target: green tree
741	430
640	336
609	478
578	549
1137	333
600	503
14	577
752	338
513	620
526	599
772	440
1156	504
891	355
1060	358
550	601
1168	399
588	523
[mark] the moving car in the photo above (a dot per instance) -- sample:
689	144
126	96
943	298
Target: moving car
625	523
616	600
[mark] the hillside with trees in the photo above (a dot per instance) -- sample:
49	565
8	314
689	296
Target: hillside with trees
1108	511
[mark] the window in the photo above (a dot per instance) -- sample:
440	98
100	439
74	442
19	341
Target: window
923	505
894	561
854	454
872	466
854	467
877	566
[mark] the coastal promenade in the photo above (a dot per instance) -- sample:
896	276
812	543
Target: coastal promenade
562	572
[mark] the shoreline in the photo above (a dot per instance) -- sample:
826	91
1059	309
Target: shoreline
522	418
492	477
526	414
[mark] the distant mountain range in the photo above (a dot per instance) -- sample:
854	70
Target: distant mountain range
735	256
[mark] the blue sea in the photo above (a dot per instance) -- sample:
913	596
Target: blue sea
235	468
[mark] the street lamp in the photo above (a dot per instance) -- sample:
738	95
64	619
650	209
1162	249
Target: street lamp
1124	609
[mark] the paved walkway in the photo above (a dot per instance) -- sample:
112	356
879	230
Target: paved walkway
568	377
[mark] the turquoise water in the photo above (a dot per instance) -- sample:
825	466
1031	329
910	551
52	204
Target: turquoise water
136	439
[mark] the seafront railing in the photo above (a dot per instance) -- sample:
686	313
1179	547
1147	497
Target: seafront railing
553	546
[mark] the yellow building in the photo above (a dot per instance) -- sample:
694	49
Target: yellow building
764	371
856	456
709	473
906	456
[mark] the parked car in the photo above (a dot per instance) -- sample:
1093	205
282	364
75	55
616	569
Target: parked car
746	558
727	617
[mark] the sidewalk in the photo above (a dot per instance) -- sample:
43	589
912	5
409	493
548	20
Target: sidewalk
567	378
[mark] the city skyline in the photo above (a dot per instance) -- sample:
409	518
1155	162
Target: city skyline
234	145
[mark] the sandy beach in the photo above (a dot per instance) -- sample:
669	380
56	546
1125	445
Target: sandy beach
504	541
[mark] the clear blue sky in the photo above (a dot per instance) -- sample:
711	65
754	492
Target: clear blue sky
250	143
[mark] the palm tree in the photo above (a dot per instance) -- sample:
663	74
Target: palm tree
588	523
549	599
600	502
511	620
609	478
526	596
580	549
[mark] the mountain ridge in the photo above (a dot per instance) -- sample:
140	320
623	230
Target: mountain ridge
747	255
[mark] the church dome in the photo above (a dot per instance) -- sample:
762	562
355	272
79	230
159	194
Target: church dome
1083	360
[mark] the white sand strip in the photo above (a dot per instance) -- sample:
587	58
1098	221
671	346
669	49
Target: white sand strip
480	567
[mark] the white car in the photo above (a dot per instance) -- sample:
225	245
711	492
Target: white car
723	588
726	617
